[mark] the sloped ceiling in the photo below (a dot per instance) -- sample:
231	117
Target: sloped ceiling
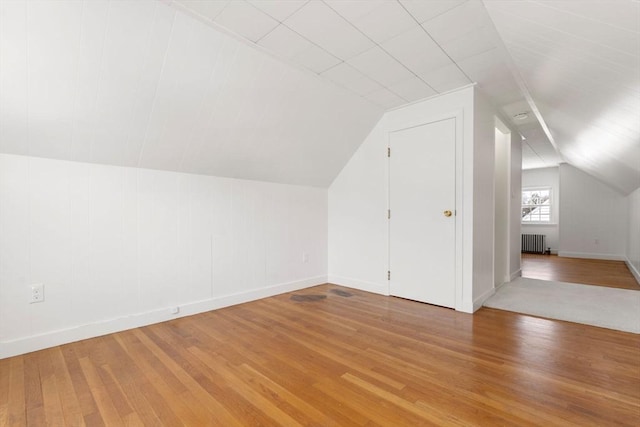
581	63
139	83
286	90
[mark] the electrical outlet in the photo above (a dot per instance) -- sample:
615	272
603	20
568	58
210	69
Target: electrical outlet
37	293
174	310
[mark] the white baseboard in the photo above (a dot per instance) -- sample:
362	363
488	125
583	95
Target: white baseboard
588	255
477	303
633	269
91	330
376	288
515	275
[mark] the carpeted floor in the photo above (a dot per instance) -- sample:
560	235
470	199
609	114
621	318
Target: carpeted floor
592	305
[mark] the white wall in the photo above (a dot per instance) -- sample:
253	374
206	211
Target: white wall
502	216
516	200
116	247
358	200
633	241
484	143
358	197
545	177
594	217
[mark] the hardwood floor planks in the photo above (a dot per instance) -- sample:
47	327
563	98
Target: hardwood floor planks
363	359
598	272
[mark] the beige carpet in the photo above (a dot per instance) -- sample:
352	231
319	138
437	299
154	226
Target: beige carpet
592	305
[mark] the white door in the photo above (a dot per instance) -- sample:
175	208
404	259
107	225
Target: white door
421	196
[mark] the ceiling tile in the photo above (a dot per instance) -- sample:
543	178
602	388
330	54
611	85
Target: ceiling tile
323	26
487	67
207	9
316	59
278	9
354	9
502	93
285	42
457	22
446	78
385	98
472	43
381	67
416	50
412	89
347	76
424	10
384	22
245	20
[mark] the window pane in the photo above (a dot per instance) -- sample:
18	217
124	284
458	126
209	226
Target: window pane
536	205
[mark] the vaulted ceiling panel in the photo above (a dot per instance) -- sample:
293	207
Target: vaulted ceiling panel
13	79
423	11
404	46
384	21
278	9
246	20
581	62
381	66
285	90
324	27
142	83
49	61
352	79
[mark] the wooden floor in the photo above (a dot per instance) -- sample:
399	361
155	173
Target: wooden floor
612	274
344	358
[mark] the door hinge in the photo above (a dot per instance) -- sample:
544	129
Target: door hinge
388	151
388	275
388	213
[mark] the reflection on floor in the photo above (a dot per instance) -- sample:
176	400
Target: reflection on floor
612	274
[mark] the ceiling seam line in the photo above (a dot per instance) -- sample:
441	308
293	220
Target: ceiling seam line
384	50
141	74
155	92
272	17
437	44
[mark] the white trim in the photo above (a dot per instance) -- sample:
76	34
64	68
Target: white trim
376	288
91	330
477	302
587	255
515	275
632	269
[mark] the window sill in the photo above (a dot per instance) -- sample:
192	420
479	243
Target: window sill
552	224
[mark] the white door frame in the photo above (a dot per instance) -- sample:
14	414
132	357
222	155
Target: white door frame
463	273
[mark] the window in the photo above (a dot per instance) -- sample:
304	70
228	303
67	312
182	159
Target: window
536	205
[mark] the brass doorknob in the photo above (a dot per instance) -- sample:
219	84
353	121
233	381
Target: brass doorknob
447	213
